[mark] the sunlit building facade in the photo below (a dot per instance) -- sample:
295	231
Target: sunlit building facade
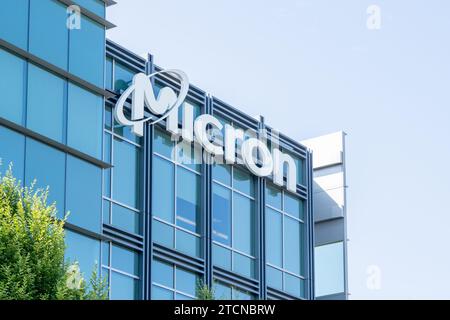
154	225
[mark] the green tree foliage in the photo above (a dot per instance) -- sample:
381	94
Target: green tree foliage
204	292
32	265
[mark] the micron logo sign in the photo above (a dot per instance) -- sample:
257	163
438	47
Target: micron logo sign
218	140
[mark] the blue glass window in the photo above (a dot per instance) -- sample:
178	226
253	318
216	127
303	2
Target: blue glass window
329	269
244	224
14	22
85	121
46	103
221	214
163	189
85	251
109	75
163	145
13	82
95	6
293	242
123	266
222	257
126	173
222	291
163	234
222	173
122	77
163	273
12	151
123	287
285	242
273	197
49	34
126	219
125	260
84	194
188	243
170	281
243	182
274	231
293	206
188	200
47	166
87	51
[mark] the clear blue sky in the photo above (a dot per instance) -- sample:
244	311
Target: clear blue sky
312	67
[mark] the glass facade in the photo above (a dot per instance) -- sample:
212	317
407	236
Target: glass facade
145	211
285	241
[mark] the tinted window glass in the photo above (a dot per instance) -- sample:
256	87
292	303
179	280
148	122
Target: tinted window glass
125	260
329	269
14	22
293	206
243	220
273	197
84	250
186	281
95	6
87	51
48	31
122	77
46	96
85	121
274	229
162	273
84	194
12	150
292	245
221	214
12	81
163	189
126	171
123	287
47	166
188	200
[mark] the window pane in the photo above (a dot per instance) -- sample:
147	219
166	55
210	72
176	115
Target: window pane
84	194
108	118
293	206
186	281
274	278
244	265
188	200
179	296
221	214
274	231
159	293
188	243
46	97
221	257
122	77
293	243
294	285
222	291
49	34
126	171
108	76
243	182
241	295
47	166
126	219
123	287
13	82
125	260
163	189
85	121
163	234
273	197
125	131
12	150
163	145
162	273
95	6
85	251
14	22
106	212
190	155
244	224
222	173
87	51
329	269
